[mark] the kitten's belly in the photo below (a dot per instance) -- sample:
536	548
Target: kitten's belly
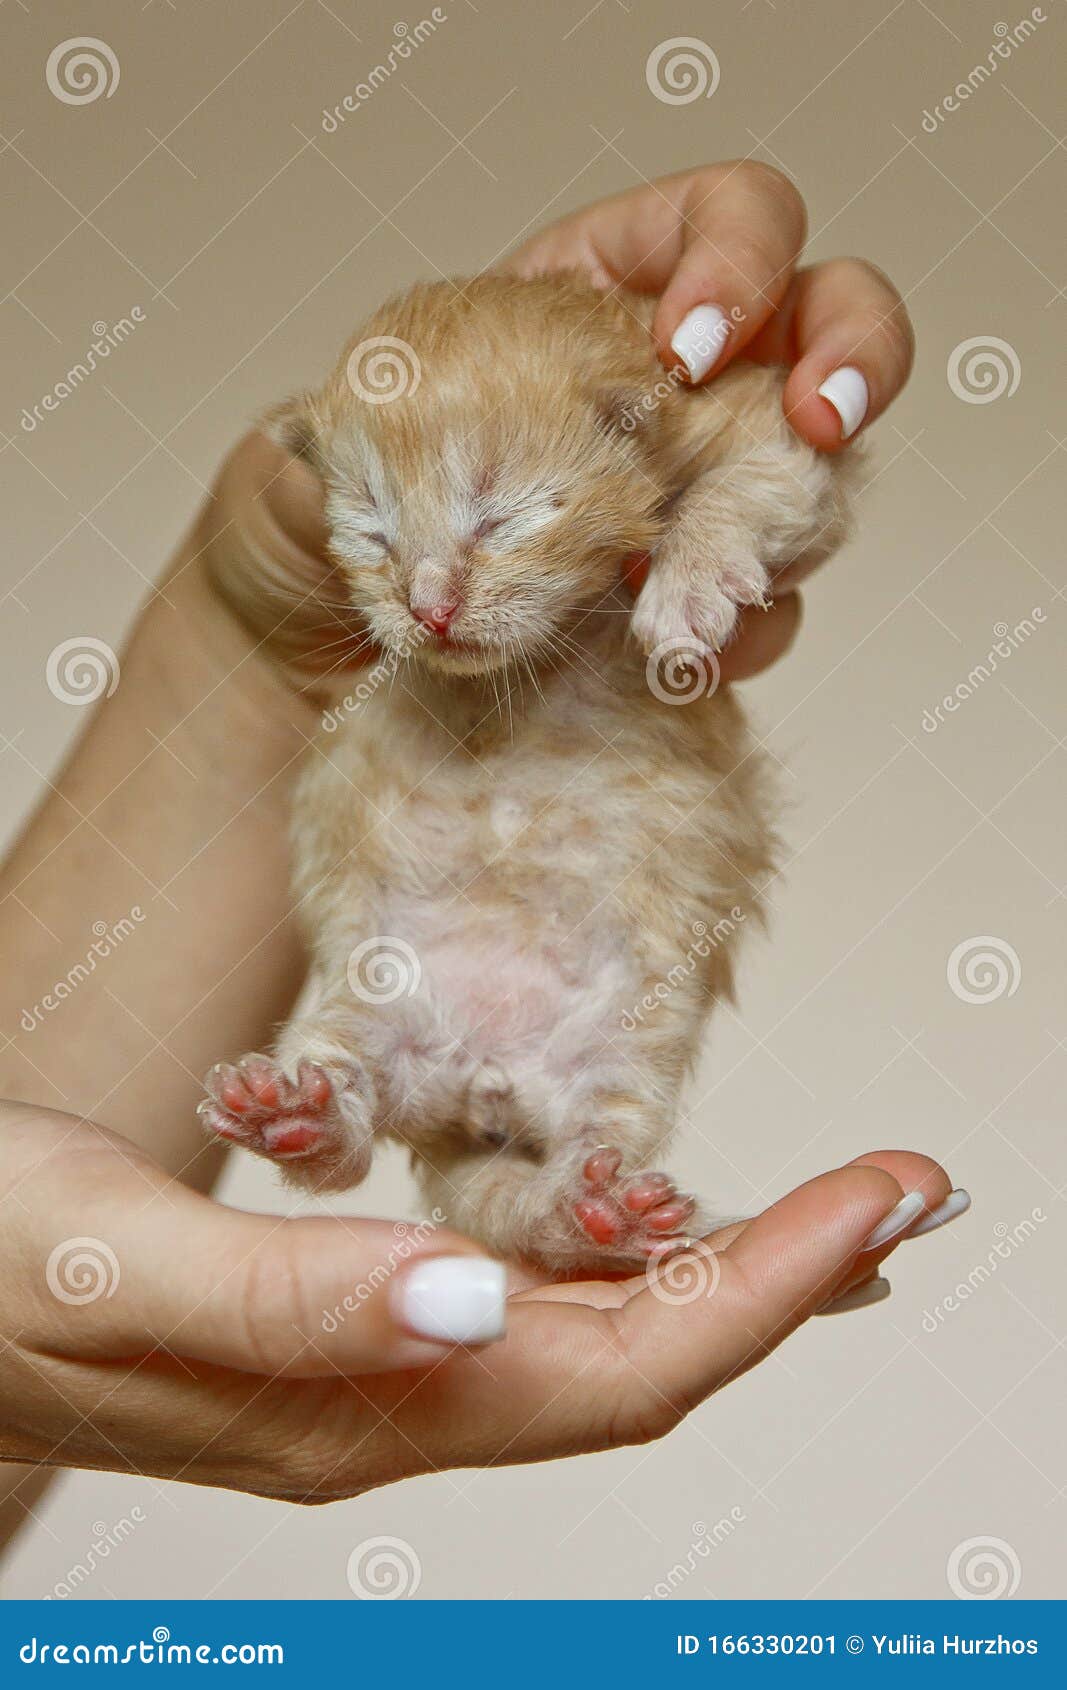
541	890
501	889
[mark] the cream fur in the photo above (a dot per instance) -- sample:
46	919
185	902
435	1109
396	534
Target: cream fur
553	841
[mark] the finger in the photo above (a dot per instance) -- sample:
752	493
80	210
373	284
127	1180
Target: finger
918	1176
310	1297
724	236
776	1273
263	540
123	1270
761	638
742	227
844	329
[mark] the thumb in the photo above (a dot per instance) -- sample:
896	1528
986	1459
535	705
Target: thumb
120	1268
263	540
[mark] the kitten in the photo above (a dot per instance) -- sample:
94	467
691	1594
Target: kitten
522	860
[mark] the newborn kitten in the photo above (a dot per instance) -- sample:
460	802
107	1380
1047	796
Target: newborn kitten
522	862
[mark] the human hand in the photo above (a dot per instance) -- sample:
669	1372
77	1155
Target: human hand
217	1347
724	235
719	244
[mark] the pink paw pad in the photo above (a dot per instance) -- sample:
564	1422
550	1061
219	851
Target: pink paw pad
253	1103
637	1215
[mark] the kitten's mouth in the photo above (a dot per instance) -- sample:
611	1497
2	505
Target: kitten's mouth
461	656
458	654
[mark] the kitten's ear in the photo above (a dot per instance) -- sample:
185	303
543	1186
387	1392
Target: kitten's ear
622	410
293	425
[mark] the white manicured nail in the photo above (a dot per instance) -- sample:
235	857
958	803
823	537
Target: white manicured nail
897	1221
699	338
453	1299
956	1203
846	389
860	1297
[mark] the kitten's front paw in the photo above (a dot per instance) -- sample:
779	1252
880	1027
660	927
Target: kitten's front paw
314	1124
695	607
631	1217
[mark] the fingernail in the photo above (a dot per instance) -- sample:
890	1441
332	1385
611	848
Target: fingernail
699	338
846	389
860	1297
454	1299
956	1203
897	1221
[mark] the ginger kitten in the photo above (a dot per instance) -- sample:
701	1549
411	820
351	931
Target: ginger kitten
522	859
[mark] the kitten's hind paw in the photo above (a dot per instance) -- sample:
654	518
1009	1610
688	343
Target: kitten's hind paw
314	1124
631	1217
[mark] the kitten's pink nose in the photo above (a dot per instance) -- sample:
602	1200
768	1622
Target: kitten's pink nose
436	617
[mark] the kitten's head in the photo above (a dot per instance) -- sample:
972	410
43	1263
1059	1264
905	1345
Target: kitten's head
484	479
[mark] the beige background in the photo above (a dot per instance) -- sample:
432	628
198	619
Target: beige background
205	191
